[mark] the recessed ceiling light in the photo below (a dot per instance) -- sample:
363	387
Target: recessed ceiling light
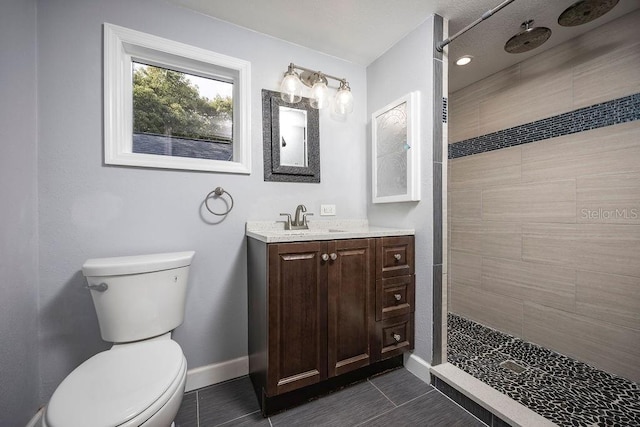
464	60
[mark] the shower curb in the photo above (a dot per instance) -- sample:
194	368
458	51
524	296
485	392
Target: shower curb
485	402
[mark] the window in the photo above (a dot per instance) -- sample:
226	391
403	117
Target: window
171	105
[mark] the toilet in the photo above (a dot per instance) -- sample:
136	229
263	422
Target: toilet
140	381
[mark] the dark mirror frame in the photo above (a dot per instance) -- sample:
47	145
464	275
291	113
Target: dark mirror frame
273	170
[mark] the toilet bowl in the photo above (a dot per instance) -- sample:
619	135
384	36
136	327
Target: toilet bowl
140	381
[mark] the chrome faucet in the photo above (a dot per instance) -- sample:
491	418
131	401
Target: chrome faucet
297	223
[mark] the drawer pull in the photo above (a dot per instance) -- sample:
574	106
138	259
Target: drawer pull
325	257
398	297
333	256
398	257
397	337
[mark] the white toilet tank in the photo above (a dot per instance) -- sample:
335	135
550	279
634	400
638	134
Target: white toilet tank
138	297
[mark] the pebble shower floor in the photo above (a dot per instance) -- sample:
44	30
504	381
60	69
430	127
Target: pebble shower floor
561	389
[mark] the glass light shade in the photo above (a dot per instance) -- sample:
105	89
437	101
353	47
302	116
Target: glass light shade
319	95
343	103
291	88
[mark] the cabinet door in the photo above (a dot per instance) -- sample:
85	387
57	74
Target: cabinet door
351	317
297	316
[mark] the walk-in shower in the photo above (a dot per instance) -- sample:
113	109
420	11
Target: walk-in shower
543	245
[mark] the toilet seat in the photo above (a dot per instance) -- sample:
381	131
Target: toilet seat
123	386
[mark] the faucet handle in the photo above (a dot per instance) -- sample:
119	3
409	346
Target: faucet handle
304	218
287	225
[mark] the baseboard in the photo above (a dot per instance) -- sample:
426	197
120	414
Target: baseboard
36	420
204	376
418	367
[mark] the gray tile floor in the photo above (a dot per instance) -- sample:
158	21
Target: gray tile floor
396	398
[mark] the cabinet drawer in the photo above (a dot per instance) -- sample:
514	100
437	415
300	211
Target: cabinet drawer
394	257
395	296
395	335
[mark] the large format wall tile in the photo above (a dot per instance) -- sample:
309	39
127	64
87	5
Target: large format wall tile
609	76
603	150
466	204
610	347
545	95
464	117
497	311
608	297
495	239
598	66
609	198
553	201
467	269
501	167
593	247
464	104
541	283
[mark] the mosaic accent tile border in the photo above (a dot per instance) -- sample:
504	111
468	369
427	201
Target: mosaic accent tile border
445	109
561	389
621	110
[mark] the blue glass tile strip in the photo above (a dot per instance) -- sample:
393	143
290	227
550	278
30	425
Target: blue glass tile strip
621	110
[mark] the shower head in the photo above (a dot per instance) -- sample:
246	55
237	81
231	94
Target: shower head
585	11
527	39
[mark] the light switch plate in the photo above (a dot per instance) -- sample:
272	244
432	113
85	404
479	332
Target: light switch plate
327	210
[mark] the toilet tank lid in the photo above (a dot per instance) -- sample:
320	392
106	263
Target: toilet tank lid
137	264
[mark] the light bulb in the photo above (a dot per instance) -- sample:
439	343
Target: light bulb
464	60
291	88
319	95
343	103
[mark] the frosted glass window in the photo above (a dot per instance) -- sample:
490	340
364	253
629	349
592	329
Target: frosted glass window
396	151
392	152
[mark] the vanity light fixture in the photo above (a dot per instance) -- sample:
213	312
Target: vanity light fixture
292	85
464	60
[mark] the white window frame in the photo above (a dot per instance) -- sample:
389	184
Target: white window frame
122	46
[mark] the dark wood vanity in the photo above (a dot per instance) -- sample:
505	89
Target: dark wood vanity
321	309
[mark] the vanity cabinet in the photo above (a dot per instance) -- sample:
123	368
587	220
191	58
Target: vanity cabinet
321	309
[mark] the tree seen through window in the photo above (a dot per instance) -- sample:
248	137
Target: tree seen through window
179	114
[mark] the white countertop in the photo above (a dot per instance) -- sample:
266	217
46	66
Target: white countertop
274	232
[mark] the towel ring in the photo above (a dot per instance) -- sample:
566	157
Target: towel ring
218	192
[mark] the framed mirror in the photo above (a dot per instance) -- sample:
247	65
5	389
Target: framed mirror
291	139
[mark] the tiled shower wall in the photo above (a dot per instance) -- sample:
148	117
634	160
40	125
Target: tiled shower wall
545	236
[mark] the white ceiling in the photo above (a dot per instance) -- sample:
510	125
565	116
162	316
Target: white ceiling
362	30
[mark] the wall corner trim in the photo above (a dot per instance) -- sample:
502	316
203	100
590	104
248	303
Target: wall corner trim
418	367
215	373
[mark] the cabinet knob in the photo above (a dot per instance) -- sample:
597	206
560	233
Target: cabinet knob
333	256
398	257
397	337
398	297
324	257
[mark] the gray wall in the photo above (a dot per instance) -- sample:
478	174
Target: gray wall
91	210
406	67
18	214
